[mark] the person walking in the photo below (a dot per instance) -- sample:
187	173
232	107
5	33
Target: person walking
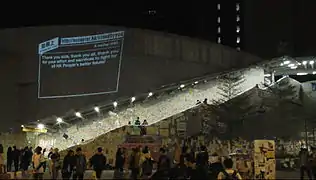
9	159
55	164
68	165
98	162
80	165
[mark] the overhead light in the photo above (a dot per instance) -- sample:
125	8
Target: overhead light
304	62
196	82
97	109
301	74
78	114
293	67
311	62
59	120
267	75
286	62
150	94
40	126
182	86
115	104
133	99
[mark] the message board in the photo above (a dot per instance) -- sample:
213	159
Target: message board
80	66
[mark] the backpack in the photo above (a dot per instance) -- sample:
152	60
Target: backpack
232	176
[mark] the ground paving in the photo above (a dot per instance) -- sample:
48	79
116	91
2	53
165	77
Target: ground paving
109	175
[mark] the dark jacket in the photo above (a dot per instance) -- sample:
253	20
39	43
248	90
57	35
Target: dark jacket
119	161
69	163
163	163
98	161
81	164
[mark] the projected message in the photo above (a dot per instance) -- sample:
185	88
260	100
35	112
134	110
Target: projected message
80	66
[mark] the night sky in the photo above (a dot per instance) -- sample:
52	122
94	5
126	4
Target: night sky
266	25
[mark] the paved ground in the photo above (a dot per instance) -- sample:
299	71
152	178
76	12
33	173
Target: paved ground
287	175
109	175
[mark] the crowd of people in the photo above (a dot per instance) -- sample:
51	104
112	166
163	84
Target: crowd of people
189	165
140	164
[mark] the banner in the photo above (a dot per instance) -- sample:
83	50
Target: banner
264	159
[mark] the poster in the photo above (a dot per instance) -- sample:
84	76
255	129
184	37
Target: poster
264	159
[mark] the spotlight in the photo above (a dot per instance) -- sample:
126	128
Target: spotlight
59	120
182	86
40	126
78	114
133	99
196	82
115	104
286	62
22	126
150	94
97	109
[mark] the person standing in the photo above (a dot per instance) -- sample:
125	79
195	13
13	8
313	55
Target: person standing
9	159
119	164
80	165
304	163
68	165
2	166
16	158
55	164
98	162
38	162
229	172
25	160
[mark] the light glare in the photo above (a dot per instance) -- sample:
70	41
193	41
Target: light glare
40	126
78	114
97	109
59	120
115	104
133	99
150	94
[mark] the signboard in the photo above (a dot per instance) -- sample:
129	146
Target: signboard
264	159
80	65
34	130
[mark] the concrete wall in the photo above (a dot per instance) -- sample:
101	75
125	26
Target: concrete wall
308	89
150	59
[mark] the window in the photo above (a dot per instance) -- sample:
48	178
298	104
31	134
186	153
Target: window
238	40
237	29
219	40
237	18
237	7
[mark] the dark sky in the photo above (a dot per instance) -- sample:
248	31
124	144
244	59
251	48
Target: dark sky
266	23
